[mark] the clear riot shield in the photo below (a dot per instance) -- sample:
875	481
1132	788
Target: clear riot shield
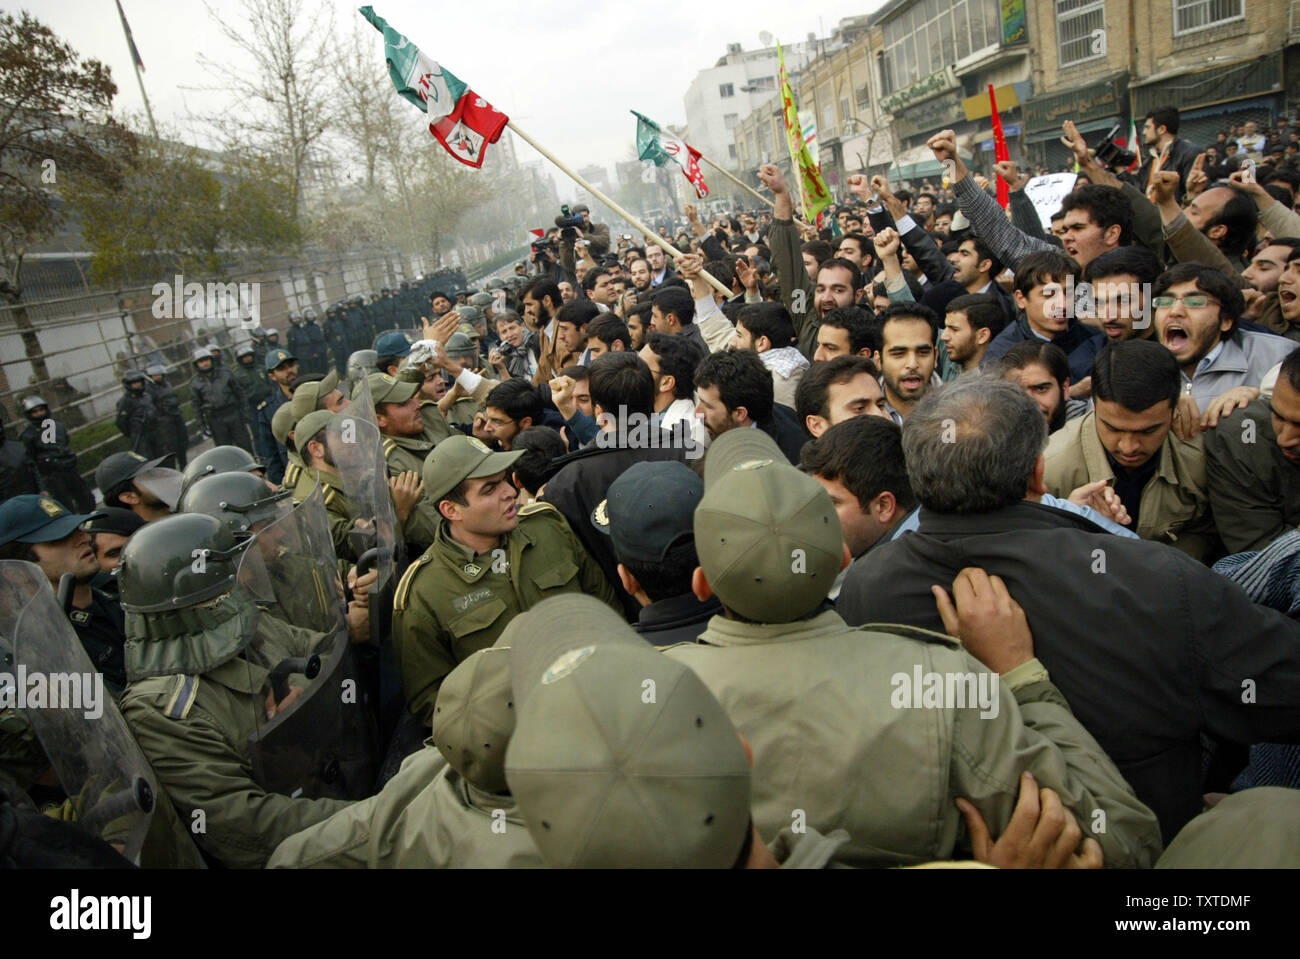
314	732
112	791
356	446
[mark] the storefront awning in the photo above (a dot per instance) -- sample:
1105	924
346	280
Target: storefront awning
1104	124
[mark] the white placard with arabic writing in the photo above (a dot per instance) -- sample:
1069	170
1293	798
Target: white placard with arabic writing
1047	192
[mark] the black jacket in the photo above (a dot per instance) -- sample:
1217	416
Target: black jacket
1150	648
1081	345
581	485
783	426
678	619
1180	159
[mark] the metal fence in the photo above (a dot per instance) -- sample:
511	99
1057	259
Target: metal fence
72	350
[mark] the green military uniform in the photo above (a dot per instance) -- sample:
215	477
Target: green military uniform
198	682
296	472
336	505
462	412
452	602
407	453
449	805
428	816
22	760
194	728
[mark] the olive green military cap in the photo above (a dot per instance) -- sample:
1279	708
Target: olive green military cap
309	426
458	458
474	718
621	757
282	423
390	389
767	535
308	396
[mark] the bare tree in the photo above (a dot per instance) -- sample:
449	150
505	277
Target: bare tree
364	107
284	107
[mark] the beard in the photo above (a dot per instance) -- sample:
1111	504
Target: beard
1057	419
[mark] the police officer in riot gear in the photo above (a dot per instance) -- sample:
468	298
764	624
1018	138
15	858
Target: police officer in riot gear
249	373
171	422
220	459
215	673
307	342
49	448
218	402
137	417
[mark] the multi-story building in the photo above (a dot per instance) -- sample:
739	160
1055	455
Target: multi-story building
900	75
837	91
936	63
720	97
1103	63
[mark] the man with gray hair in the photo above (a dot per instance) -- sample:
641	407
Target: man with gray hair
1190	653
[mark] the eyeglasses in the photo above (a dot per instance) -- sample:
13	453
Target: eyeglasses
1193	301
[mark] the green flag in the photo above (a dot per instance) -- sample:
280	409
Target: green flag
420	80
660	147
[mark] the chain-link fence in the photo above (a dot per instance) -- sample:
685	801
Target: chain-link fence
72	350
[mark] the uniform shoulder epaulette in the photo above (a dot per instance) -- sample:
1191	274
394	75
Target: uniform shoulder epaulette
181	695
332	494
664	649
389	445
912	632
262	405
538	506
404	584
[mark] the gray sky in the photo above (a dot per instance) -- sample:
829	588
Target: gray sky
566	72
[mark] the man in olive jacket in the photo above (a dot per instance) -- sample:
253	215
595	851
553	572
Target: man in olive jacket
1253	464
1127	438
876	731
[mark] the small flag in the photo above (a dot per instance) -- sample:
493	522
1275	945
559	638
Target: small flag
130	41
658	146
808	126
812	188
1000	151
538	233
1133	144
459	119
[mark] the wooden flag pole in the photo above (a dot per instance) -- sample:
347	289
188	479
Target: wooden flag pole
668	248
737	181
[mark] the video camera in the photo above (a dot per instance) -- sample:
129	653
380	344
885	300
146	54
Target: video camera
1111	154
570	222
544	251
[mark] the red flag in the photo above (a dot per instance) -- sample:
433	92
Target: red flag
538	233
1000	151
470	127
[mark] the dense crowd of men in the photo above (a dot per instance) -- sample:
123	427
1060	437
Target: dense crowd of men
928	534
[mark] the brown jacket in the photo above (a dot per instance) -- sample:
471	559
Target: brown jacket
553	359
1175	504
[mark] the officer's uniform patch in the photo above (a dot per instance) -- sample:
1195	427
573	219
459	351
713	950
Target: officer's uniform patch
184	692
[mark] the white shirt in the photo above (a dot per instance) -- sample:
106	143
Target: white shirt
683	410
